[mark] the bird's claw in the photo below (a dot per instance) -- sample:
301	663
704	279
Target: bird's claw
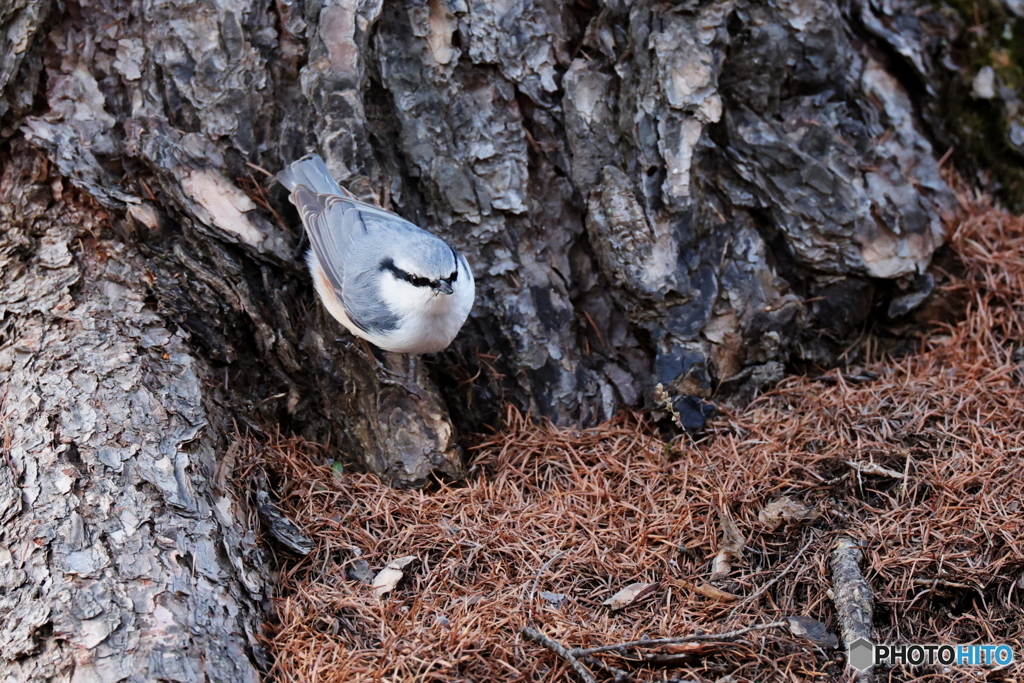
384	375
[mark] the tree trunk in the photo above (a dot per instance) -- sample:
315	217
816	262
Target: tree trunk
690	195
119	557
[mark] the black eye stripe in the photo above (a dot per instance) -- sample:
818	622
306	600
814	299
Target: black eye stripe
455	273
415	280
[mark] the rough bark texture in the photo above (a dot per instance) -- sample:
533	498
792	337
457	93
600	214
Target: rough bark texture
122	557
690	194
647	193
854	600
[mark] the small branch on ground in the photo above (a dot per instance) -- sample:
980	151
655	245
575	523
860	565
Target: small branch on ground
853	598
648	642
875	468
942	583
559	649
573	656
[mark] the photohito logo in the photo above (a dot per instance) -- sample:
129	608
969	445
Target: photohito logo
863	654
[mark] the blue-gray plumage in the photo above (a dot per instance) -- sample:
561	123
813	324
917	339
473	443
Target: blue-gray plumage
384	278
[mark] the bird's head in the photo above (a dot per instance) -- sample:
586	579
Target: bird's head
430	265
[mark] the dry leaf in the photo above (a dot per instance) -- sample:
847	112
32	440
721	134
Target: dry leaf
709	591
359	571
731	547
812	630
388	578
785	510
630	594
553	599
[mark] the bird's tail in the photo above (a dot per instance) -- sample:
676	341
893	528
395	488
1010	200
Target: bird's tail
312	172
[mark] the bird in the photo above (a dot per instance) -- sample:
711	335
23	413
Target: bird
385	279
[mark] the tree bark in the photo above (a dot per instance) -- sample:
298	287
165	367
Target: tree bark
689	195
119	557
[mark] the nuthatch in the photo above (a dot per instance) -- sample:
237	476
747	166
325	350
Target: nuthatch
386	280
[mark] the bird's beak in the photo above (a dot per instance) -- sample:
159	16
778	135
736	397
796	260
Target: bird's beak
444	287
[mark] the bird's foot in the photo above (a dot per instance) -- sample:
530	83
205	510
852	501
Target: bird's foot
385	375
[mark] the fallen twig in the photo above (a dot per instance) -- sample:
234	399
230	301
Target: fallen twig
573	656
561	651
875	468
853	598
942	583
647	642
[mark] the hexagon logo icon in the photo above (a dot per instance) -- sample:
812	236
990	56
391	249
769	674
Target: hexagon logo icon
861	654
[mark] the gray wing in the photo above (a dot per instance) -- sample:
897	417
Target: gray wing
348	254
329	242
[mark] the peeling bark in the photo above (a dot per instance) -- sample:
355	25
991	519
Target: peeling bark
118	560
688	195
21	22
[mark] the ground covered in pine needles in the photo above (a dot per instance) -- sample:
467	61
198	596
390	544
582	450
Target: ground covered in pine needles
920	459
